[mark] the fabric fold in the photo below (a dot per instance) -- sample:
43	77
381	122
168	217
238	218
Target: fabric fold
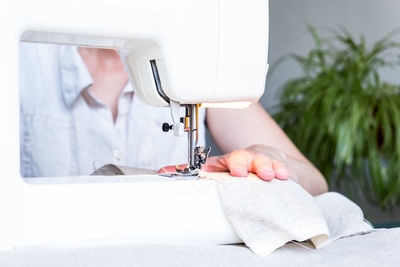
267	215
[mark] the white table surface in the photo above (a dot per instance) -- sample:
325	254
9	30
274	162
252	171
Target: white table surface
381	248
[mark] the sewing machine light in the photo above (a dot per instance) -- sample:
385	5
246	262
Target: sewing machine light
236	105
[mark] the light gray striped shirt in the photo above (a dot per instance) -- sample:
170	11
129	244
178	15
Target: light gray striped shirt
66	131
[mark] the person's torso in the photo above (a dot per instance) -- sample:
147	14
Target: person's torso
66	131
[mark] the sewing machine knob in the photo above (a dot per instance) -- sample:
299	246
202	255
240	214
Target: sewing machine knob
166	127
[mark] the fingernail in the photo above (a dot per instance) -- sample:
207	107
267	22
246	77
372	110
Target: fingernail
266	174
239	172
283	174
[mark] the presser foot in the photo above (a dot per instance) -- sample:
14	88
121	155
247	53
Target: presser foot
187	172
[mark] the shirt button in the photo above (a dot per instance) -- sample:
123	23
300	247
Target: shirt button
118	154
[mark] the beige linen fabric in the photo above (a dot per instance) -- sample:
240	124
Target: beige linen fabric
267	215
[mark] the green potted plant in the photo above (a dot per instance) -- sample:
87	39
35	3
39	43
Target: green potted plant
344	118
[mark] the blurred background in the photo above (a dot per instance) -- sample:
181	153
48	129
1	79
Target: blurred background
288	31
289	34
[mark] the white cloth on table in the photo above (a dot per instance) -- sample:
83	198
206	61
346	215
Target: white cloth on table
267	215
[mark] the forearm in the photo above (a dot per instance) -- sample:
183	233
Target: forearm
303	172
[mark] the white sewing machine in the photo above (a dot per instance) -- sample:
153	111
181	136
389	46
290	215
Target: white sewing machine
179	53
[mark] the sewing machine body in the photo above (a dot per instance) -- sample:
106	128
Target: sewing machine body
206	52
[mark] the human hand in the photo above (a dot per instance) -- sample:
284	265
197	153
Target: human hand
240	162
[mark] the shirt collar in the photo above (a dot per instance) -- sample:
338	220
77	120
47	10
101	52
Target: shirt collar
74	74
128	88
